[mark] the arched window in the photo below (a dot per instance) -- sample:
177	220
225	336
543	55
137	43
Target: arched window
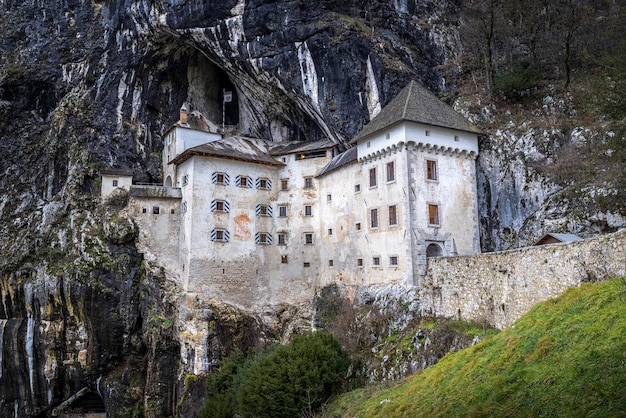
168	181
433	250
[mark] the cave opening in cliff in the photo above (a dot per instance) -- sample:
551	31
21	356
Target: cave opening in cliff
212	92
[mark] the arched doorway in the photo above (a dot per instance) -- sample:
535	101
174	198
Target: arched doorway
168	181
433	250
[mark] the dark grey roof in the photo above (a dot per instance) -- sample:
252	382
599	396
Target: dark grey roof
339	160
559	237
116	172
232	147
300	146
415	103
154	192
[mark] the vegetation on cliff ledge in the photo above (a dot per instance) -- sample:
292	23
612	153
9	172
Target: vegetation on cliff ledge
564	358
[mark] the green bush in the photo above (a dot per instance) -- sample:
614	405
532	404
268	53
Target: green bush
218	403
291	380
518	80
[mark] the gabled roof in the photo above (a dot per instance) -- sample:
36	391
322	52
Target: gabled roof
551	238
300	146
232	147
116	172
339	161
415	103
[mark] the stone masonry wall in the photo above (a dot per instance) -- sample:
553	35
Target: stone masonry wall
500	287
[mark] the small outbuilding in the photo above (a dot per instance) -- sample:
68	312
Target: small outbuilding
554	238
114	179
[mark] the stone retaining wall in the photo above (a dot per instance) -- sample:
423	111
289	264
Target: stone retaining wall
500	287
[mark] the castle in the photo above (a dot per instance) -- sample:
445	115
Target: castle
256	223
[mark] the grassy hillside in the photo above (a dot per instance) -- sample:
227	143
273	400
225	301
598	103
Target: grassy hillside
565	358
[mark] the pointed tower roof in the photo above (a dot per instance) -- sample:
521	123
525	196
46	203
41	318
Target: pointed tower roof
415	103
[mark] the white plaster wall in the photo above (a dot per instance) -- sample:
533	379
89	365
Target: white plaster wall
107	188
442	137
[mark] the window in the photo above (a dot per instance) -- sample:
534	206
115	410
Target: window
374	218
183	207
263	210
329	197
308	210
115	182
431	170
172	211
144	210
330	231
330	263
373	177
308	182
220	206
284	184
308	238
220	235
243	181
357	188
456	138
283	259
359	262
393	260
427	133
376	261
357	226
155	210
282	211
306	264
185	180
282	238
263	238
393	215
263	184
387	135
220	178
391	172
433	214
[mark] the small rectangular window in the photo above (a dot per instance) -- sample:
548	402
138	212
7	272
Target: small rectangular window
283	259
374	218
243	181
220	206
155	210
330	231
172	211
456	138
329	197
282	211
145	210
391	172
264	210
308	238
330	263
431	170
308	210
220	178
282	238
393	260
263	238
373	177
376	261
183	207
427	133
306	264
185	180
357	226
387	135
264	184
115	183
359	262
393	215
433	214
221	235
308	182
357	188
284	184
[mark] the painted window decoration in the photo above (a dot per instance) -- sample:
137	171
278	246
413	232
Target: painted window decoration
393	215
185	180
373	177
373	218
431	170
220	206
391	172
433	214
220	178
264	210
220	235
308	182
243	181
263	184
264	238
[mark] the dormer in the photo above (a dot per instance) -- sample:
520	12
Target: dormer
417	116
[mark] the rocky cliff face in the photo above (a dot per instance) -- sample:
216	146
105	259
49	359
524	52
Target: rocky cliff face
90	84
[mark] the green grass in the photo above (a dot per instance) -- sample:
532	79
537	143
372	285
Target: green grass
565	358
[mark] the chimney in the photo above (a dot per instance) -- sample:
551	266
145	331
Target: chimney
183	112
